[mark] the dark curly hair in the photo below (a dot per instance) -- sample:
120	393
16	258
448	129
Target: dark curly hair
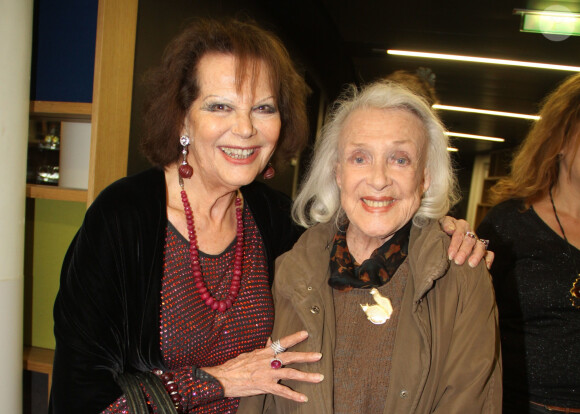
173	86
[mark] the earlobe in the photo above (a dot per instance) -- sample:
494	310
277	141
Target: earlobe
185	127
426	181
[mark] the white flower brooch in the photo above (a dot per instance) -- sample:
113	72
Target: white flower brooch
379	313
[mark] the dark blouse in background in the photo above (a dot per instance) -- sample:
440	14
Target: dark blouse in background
540	329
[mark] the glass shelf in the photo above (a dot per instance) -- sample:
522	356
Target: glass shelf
61	111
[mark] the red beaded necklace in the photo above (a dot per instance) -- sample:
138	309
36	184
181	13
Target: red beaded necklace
224	304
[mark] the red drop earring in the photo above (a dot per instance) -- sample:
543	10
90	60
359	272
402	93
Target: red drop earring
185	170
269	172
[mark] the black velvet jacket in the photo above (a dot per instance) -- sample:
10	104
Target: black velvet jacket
106	313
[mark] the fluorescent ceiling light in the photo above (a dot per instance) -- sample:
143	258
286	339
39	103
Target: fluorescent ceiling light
557	22
452	149
485	112
482	60
471	136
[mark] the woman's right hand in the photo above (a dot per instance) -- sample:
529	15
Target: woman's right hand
251	374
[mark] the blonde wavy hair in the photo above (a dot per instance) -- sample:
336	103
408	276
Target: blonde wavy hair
536	165
318	200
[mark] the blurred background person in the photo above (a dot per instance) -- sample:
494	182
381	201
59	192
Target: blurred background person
535	234
420	82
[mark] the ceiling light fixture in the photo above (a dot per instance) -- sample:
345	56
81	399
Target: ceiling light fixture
485	112
452	149
476	59
471	136
553	20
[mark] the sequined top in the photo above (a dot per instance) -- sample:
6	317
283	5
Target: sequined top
193	335
532	274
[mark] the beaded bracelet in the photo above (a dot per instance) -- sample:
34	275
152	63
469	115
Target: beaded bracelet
172	389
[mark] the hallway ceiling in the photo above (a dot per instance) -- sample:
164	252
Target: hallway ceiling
351	38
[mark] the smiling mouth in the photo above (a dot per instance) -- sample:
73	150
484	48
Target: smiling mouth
378	204
238	153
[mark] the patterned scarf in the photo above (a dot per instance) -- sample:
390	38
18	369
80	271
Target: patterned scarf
377	270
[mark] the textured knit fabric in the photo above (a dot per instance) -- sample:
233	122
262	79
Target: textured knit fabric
540	330
363	353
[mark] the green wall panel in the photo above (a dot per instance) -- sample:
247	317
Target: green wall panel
52	229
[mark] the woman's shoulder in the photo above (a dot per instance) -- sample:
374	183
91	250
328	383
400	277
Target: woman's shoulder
507	209
310	247
308	260
510	216
128	195
429	261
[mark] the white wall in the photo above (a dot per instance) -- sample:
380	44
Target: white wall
15	54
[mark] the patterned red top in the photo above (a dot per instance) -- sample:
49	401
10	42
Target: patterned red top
193	335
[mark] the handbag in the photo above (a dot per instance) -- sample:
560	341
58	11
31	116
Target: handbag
132	383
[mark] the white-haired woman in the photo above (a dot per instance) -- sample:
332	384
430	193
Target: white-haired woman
401	328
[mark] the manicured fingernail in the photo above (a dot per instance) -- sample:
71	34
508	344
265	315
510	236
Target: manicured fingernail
320	377
471	264
304	398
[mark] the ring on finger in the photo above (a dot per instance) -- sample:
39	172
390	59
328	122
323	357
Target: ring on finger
485	243
470	234
276	363
278	349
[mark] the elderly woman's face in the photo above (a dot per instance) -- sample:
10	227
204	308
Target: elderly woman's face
233	133
381	171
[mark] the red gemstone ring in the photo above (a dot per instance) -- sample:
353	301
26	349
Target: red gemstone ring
276	363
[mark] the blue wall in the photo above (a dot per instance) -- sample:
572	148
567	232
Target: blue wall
64	50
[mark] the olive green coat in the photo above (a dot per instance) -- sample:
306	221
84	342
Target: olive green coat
456	370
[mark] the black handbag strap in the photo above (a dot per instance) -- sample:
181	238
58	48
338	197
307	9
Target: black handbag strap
133	393
131	386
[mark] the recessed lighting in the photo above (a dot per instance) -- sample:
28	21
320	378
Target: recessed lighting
485	111
472	136
477	59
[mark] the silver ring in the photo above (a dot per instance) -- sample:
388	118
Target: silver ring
485	243
470	234
278	349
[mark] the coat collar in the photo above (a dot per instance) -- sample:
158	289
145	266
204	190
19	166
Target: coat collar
428	259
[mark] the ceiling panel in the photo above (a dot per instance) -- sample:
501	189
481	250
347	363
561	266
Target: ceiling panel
365	29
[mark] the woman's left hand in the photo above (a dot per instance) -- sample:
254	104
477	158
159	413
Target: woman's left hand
464	243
